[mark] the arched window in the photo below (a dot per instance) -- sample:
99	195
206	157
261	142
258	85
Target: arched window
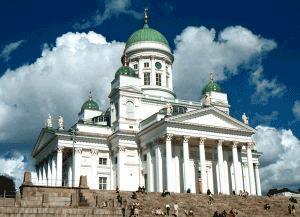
130	109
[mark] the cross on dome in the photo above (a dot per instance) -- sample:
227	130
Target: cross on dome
146	16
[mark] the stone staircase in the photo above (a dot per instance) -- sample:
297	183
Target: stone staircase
61	201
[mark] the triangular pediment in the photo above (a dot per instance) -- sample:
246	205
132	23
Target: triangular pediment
211	117
131	89
44	137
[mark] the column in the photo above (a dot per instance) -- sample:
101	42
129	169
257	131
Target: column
203	165
220	166
150	181
250	169
158	168
169	166
53	169
49	172
93	180
59	157
235	167
120	167
77	164
186	160
44	172
258	188
70	176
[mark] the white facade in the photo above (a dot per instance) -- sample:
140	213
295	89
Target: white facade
140	142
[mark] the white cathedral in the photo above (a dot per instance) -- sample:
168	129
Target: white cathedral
148	137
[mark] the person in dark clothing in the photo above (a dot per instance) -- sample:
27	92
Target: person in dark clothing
165	193
188	191
208	192
123	212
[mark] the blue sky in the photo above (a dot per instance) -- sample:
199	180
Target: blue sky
31	28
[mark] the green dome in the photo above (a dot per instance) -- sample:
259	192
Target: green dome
126	70
90	105
211	86
147	34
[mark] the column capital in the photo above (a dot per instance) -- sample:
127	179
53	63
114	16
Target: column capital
186	138
59	149
250	145
169	136
94	152
245	164
120	148
220	142
235	144
256	165
78	150
202	140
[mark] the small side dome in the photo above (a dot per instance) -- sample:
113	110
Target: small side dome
90	104
211	86
126	70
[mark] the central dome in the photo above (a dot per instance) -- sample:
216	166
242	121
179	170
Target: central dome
147	34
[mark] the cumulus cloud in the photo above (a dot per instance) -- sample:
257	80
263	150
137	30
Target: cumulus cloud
280	162
200	51
264	88
14	165
58	83
112	8
9	48
296	109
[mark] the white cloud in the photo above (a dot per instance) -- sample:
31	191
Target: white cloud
296	109
58	83
264	88
280	162
8	49
112	8
15	165
266	119
200	51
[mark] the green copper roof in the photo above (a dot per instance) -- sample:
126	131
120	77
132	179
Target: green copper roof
147	34
90	105
211	86
125	70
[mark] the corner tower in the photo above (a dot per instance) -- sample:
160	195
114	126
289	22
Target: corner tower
149	54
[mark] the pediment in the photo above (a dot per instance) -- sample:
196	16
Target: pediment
211	117
45	136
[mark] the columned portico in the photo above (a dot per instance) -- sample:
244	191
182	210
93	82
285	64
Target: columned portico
250	169
54	170
169	166
220	167
257	177
186	159
235	167
203	165
49	172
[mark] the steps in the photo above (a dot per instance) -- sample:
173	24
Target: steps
58	201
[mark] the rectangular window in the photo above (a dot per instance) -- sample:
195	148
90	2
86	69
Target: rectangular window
145	157
116	160
167	80
158	79
102	161
146	65
102	183
135	66
147	78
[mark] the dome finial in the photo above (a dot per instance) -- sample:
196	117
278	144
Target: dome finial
90	95
211	76
146	17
